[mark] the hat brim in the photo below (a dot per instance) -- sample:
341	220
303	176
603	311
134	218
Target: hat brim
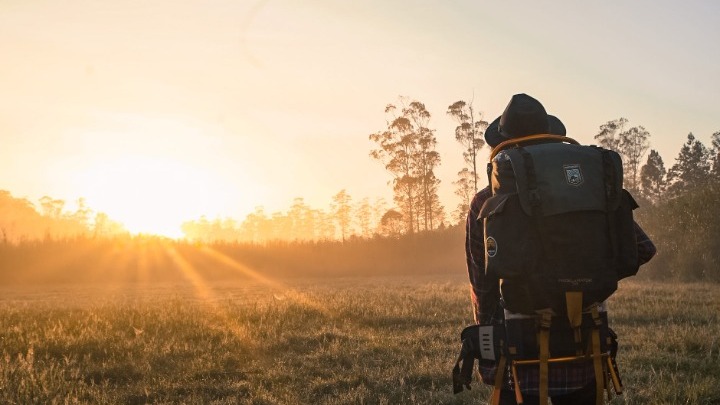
556	126
493	137
492	134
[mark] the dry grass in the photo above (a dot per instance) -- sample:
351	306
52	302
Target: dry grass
382	340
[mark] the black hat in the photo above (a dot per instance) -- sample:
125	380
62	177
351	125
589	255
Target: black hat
523	116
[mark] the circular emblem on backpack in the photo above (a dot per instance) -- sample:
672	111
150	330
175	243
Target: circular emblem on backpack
491	246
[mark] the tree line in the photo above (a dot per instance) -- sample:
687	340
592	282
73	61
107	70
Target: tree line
344	219
22	220
677	202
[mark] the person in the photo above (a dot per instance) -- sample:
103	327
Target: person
568	383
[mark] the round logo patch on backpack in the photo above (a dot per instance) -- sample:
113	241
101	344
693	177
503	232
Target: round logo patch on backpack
490	246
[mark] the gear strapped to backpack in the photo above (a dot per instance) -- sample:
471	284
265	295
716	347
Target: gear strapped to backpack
559	234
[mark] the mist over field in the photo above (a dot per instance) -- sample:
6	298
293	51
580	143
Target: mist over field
265	201
147	319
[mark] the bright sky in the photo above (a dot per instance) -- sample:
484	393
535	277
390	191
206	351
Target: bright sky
160	111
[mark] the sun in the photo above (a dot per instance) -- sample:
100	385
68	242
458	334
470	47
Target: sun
149	194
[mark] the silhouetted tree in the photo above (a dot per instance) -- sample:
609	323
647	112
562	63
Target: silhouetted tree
436	210
465	189
51	207
609	135
83	213
397	145
341	209
253	228
633	145
391	223
280	226
19	219
104	226
652	177
427	159
715	150
691	169
469	133
324	224
301	220
407	149
363	216
378	210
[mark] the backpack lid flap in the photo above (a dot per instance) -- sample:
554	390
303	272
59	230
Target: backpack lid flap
557	178
494	204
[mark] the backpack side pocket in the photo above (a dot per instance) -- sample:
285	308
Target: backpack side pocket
512	248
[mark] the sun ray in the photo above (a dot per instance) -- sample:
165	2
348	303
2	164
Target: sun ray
188	271
291	293
209	299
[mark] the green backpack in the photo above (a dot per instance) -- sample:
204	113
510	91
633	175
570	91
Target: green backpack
559	234
558	221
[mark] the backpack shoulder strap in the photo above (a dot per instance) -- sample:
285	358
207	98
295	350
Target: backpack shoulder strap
525	139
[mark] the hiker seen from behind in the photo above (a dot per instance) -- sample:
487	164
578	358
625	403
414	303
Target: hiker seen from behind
546	244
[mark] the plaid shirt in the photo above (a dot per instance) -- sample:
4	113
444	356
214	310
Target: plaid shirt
485	293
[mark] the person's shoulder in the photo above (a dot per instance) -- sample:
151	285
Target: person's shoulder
483	194
480	198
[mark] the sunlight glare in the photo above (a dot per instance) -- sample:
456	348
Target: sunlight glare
147	194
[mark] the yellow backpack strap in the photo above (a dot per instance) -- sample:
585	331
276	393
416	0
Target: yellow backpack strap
499	374
614	376
529	138
597	357
516	380
545	320
607	386
612	366
573	300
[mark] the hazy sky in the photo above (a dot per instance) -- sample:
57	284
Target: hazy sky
183	108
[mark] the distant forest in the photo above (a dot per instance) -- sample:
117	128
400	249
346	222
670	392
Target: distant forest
678	211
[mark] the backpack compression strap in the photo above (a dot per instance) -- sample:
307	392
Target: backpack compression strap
497	386
544	355
597	357
539	137
573	302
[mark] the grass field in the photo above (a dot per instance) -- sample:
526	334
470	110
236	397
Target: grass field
364	340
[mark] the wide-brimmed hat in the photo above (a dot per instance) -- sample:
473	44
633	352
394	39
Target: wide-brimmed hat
523	116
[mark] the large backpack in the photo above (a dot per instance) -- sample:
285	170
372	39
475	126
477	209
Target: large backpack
558	221
559	234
